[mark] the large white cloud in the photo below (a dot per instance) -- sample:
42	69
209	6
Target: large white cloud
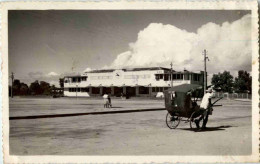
228	46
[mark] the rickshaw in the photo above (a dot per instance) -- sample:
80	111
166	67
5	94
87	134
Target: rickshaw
181	104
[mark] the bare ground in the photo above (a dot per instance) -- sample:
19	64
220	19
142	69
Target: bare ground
144	133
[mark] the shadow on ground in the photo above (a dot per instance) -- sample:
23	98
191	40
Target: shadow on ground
208	129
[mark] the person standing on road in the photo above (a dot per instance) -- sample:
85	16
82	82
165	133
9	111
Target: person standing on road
206	107
109	101
105	97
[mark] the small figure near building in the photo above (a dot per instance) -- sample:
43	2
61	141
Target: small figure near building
107	101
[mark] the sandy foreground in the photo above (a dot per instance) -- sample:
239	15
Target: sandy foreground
142	133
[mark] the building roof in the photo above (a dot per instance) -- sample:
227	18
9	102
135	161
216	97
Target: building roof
128	69
146	69
101	71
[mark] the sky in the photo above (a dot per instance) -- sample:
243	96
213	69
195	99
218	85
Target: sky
46	45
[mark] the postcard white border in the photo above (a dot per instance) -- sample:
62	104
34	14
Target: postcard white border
132	5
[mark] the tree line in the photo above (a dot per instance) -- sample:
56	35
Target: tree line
225	82
35	88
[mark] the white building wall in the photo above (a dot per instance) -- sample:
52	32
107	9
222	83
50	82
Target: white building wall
78	94
120	78
129	78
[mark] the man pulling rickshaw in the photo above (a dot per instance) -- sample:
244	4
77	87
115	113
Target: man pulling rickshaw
181	103
205	106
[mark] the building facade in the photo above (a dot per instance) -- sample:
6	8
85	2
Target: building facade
130	82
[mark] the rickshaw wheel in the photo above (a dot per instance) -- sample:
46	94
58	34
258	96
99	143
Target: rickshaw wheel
172	121
196	116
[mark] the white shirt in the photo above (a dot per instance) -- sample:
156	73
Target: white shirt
205	100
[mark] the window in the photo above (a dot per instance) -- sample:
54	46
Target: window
66	80
196	77
143	90
95	90
84	89
166	77
84	78
165	88
153	89
186	76
157	77
174	76
76	79
74	89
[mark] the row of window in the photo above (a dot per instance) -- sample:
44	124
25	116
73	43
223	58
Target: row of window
75	79
167	77
159	89
79	79
95	90
77	89
137	76
125	76
100	77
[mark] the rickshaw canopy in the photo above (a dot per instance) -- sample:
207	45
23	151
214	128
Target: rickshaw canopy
184	88
178	99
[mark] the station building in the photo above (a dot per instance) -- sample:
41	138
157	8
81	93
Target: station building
130	82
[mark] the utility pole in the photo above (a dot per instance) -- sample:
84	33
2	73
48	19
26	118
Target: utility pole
171	75
12	77
205	69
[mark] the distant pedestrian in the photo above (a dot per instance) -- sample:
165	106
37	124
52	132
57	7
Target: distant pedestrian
106	101
109	101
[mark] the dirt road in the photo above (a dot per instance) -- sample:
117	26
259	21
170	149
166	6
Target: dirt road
143	133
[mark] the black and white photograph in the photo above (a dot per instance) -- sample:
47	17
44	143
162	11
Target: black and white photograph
132	82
